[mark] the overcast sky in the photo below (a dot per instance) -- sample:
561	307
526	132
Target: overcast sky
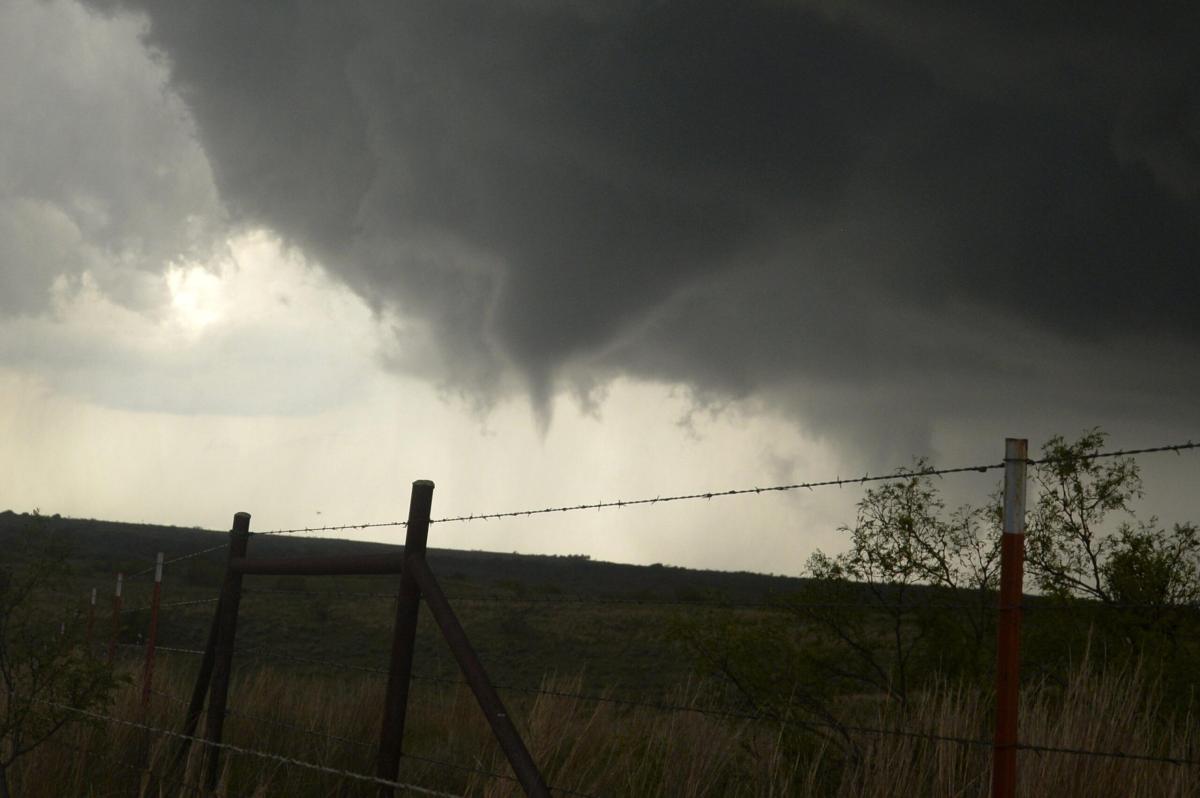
287	257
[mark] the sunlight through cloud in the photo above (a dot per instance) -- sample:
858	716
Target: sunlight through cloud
195	296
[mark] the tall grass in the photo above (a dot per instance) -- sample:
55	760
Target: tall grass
608	749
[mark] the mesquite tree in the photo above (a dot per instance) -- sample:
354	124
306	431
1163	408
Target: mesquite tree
912	597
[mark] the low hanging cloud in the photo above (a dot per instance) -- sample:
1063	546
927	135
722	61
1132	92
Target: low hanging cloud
839	207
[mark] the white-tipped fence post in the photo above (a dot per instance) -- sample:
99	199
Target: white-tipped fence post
148	668
91	623
152	633
1008	649
116	621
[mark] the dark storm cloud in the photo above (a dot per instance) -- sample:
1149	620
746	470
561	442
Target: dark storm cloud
808	201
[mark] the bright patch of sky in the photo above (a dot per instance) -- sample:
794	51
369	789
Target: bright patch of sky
258	387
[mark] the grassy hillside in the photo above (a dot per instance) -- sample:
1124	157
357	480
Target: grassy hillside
312	651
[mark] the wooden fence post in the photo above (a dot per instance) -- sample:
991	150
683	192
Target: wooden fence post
416	580
226	627
196	704
493	708
1008	649
404	635
116	621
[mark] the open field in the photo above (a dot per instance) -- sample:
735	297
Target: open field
598	664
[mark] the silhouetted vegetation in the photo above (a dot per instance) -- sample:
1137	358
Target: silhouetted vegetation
910	605
45	668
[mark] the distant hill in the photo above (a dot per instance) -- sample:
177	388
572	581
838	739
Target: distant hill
523	612
102	548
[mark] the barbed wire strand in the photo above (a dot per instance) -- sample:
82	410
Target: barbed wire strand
724	713
262	653
851	727
839	482
1177	448
170	604
1053	749
783	605
237	713
180	558
361	743
899	474
167	649
663	707
336	528
233	711
659	706
237	749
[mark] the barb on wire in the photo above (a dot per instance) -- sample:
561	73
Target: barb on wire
1054	749
237	749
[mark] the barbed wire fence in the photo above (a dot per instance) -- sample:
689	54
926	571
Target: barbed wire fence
753	715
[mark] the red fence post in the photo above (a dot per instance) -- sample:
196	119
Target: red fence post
116	622
1008	649
152	634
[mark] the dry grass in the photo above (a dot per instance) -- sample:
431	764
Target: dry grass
607	749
